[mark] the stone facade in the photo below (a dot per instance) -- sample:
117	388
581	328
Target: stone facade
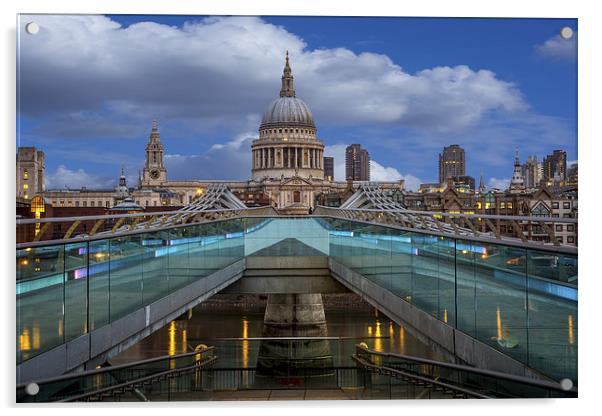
30	172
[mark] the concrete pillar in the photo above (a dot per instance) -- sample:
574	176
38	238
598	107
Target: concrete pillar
294	315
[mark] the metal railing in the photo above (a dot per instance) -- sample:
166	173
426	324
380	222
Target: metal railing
462	379
106	380
478	226
103	226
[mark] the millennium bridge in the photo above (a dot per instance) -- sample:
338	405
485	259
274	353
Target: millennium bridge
502	309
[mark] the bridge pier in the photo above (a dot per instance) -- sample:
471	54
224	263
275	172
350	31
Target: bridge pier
294	315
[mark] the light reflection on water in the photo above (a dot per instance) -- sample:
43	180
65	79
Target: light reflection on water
206	326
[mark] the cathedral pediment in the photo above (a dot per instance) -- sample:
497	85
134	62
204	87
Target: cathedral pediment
296	180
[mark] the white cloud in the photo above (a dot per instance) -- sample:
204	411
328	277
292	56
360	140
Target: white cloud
228	161
219	68
378	172
501	184
63	177
558	48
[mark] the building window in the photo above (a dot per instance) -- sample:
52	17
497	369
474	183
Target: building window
62	203
570	239
566	205
108	204
509	205
554	205
69	203
540	211
566	215
560	240
25	186
559	227
155	203
91	203
100	203
85	204
570	227
555	215
25	174
502	205
77	203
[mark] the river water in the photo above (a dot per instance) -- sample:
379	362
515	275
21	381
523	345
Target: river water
234	332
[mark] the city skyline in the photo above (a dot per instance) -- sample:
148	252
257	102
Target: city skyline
419	103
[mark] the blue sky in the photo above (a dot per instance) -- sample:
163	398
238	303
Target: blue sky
402	87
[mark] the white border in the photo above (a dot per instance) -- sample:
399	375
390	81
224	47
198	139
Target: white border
590	33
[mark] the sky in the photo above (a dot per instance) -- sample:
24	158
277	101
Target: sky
90	86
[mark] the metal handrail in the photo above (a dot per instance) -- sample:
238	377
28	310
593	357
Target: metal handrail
140	214
426	380
480	237
506	241
459	215
132	383
99	236
102	370
496	374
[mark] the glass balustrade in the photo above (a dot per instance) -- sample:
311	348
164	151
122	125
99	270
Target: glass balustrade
519	300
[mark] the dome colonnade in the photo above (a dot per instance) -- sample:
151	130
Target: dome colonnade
287	144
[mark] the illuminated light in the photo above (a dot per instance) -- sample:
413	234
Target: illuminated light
498	316
28	249
464	251
245	343
200	191
391	330
184	340
484	256
24	262
378	341
445	315
37	269
60	329
369	329
24	340
571	335
172	340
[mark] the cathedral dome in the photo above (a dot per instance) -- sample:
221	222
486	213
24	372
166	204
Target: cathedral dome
290	111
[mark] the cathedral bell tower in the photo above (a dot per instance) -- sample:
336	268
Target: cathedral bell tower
154	173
